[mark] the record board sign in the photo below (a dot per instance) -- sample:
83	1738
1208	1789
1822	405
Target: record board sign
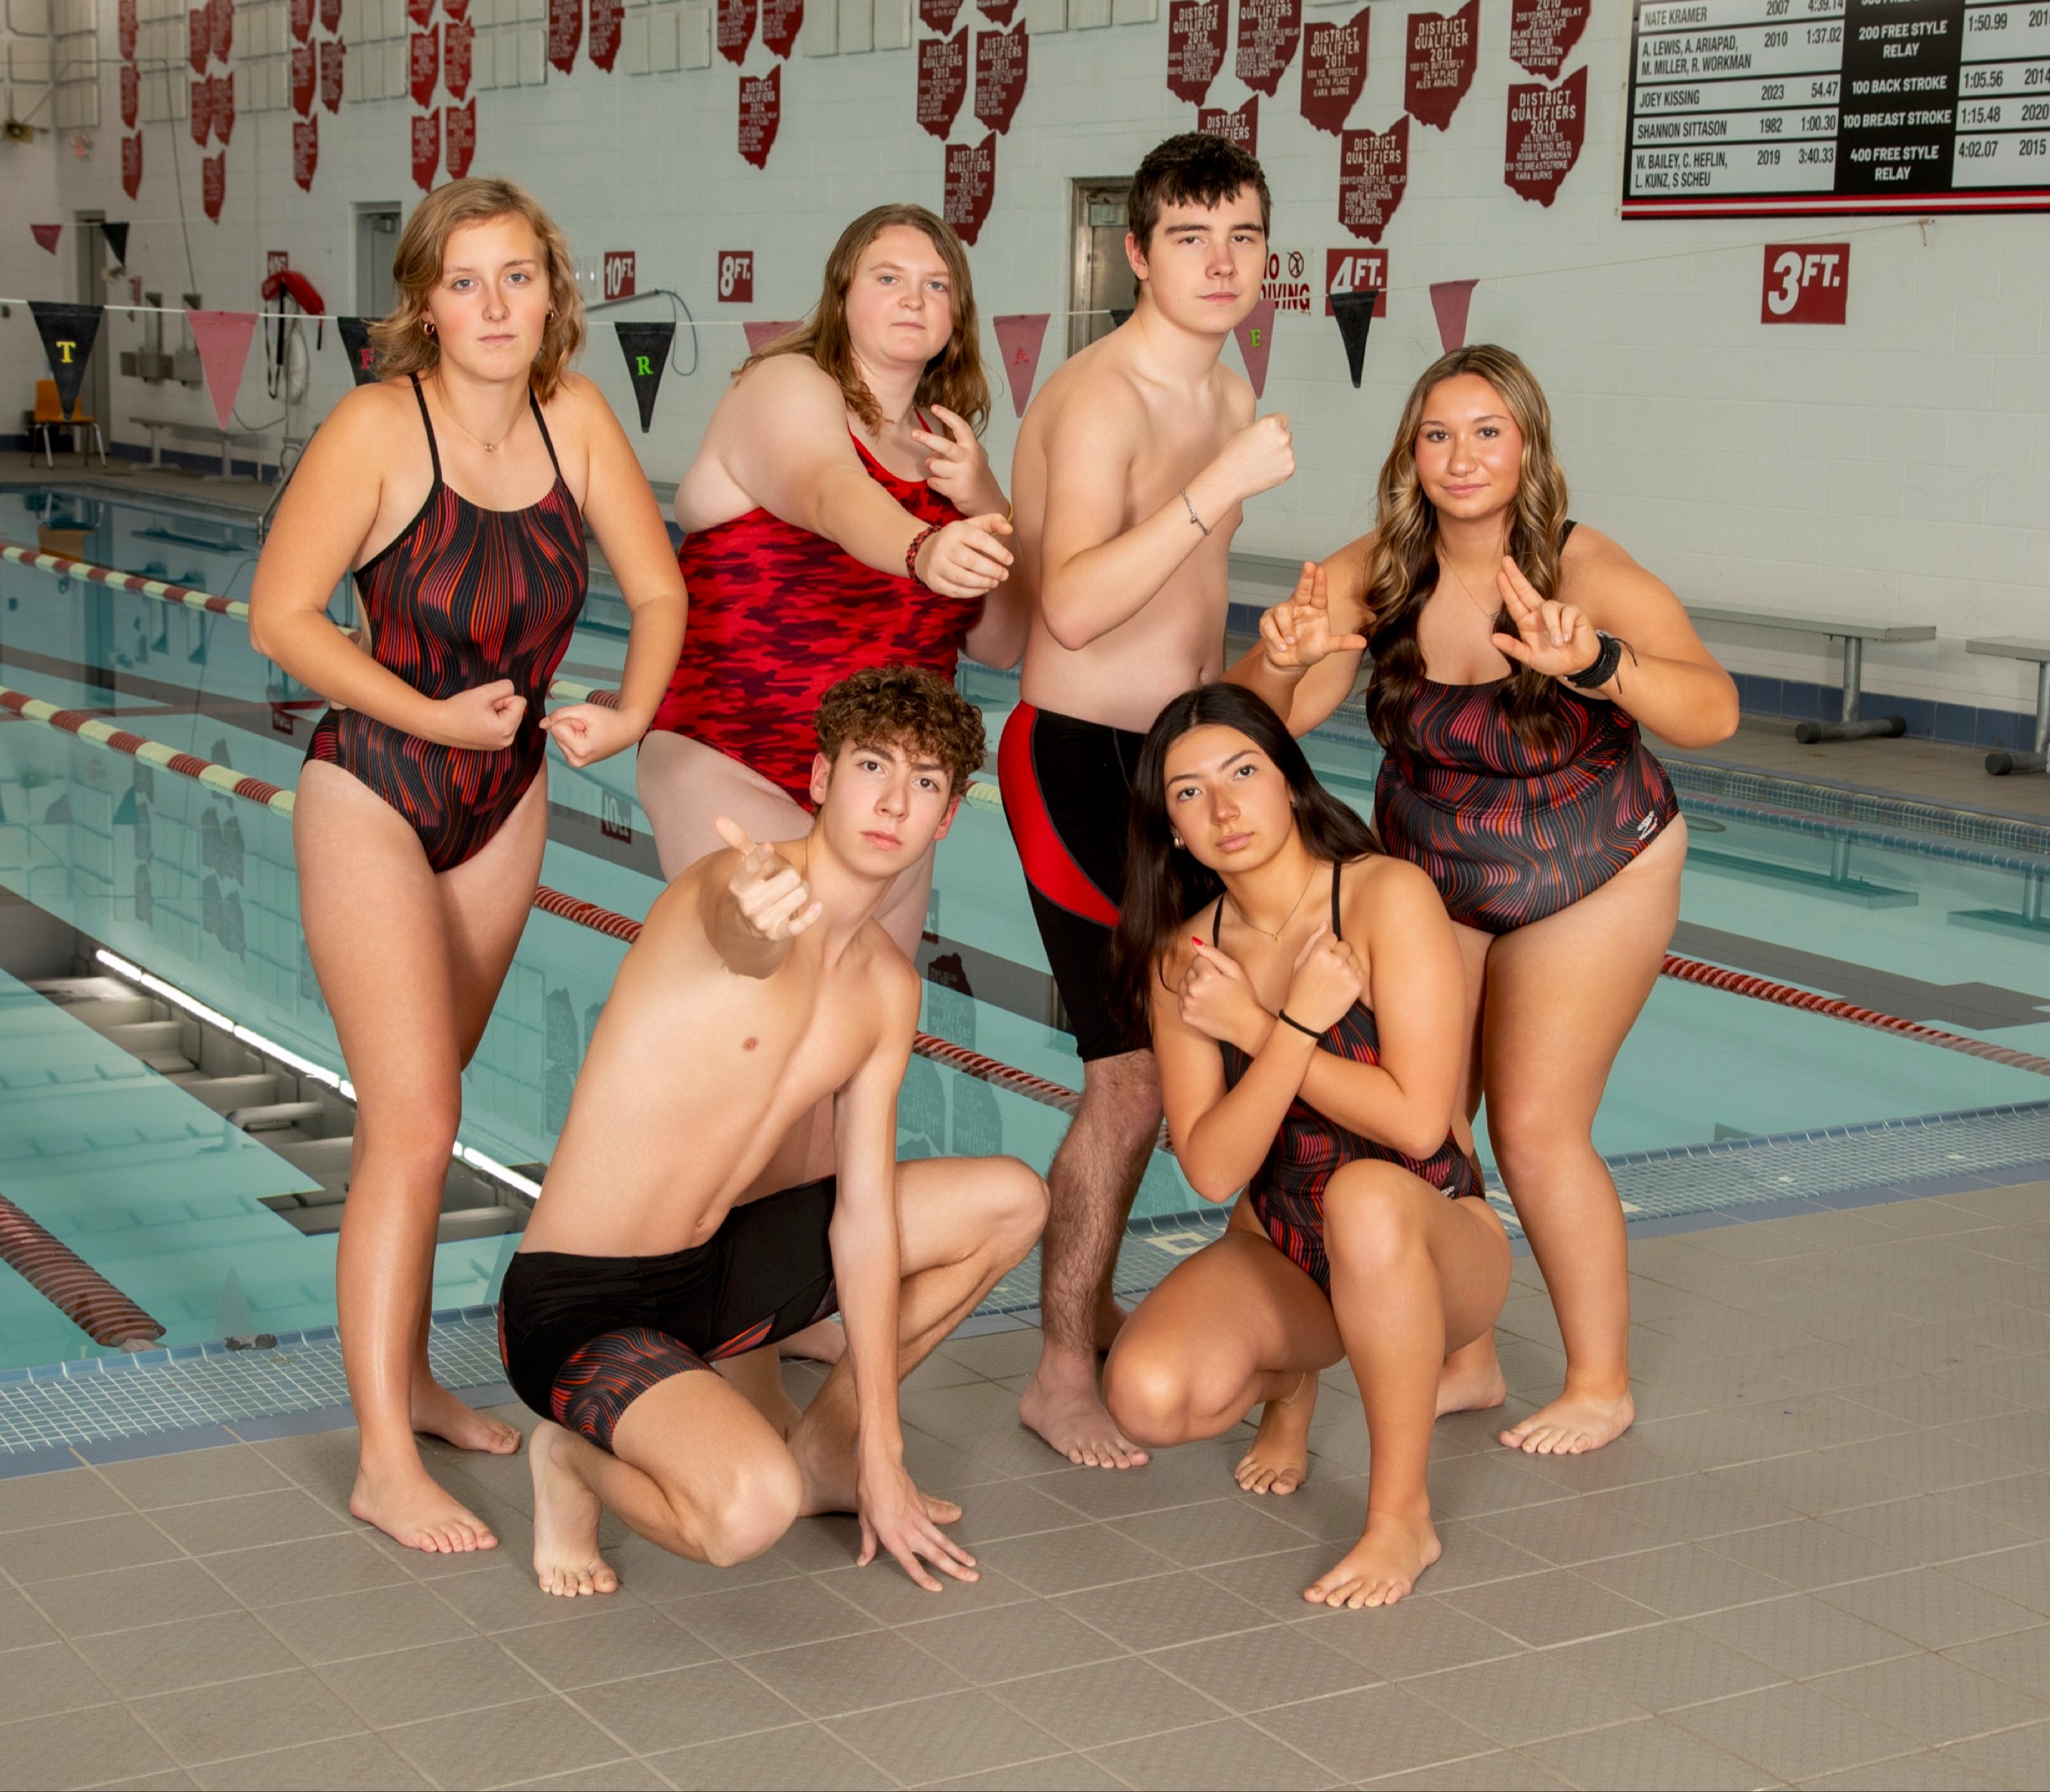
1787	107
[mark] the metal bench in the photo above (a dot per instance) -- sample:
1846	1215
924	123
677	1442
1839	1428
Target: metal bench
1850	726
2012	647
250	438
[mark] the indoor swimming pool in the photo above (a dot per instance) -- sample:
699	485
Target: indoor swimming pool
197	999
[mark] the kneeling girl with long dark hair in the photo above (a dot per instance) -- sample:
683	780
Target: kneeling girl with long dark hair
1306	1001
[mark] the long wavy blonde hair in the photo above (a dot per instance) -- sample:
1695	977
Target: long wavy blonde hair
954	377
403	343
1402	565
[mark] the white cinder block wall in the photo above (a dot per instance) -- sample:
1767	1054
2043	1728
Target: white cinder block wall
1896	466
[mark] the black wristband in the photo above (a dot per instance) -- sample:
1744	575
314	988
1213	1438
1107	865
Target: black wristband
1289	1019
1598	671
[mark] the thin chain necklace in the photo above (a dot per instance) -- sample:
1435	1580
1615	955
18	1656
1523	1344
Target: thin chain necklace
489	448
1285	919
1490	614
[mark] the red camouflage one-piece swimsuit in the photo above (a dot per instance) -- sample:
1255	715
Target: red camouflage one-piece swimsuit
463	596
778	615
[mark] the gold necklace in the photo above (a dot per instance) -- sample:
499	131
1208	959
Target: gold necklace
1489	614
489	448
1277	933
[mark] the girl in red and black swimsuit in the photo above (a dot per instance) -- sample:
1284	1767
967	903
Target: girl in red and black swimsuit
840	514
1306	1017
1514	658
458	487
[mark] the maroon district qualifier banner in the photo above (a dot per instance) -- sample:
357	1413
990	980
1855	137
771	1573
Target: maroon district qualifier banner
1334	69
459	43
736	28
1373	171
781	22
426	150
462	127
970	185
333	54
1546	126
427	64
943	80
305	152
761	111
940	15
604	36
997	12
305	78
1001	60
1444	49
131	165
1541	33
1194	47
565	31
1268	30
1241	127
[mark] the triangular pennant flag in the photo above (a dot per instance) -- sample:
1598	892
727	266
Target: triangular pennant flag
1450	299
67	332
1019	339
1354	312
1120	316
1256	341
116	240
47	235
355	333
646	348
223	339
760	335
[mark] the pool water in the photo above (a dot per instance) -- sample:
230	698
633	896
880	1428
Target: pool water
197	888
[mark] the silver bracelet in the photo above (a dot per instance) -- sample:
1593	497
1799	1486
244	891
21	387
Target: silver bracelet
1191	504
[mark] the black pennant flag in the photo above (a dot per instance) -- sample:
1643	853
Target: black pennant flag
355	333
1354	312
116	240
646	348
1120	316
68	332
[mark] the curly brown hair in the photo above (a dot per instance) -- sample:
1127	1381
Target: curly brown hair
904	705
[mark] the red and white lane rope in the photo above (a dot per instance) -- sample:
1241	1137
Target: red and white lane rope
71	1284
161	589
223	778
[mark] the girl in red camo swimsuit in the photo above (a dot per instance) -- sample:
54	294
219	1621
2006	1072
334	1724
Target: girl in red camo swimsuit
1514	658
458	487
1307	1021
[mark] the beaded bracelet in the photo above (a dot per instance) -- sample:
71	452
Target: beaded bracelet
911	554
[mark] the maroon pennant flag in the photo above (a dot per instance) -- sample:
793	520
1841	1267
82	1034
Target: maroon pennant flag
1255	332
1542	32
131	165
305	77
939	14
565	31
1194	47
1546	126
46	236
761	111
1241	127
997	12
1444	49
760	335
1268	31
333	50
943	80
1450	300
305	151
202	111
462	126
1372	170
222	34
426	65
420	12
1019	339
781	22
970	185
1000	59
131	94
302	14
459	45
198	38
126	28
736	28
1334	70
331	15
214	184
426	150
604	35
221	104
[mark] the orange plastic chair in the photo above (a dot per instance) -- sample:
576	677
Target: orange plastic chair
50	416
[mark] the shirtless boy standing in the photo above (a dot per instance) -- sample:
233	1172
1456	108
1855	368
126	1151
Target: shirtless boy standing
1131	467
666	1237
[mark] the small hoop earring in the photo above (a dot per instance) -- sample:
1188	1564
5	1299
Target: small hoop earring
1176	839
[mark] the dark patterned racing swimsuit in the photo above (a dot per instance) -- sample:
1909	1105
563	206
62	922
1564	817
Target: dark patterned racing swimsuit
1511	834
1287	1192
463	596
778	615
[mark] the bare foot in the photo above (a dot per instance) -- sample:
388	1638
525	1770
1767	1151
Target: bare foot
1062	1404
1572	1424
1382	1567
1471	1380
411	1507
565	1520
438	1413
827	1467
824	1342
1278	1462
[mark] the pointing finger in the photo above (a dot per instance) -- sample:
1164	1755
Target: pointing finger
731	833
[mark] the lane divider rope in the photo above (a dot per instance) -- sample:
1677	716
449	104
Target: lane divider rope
71	1284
